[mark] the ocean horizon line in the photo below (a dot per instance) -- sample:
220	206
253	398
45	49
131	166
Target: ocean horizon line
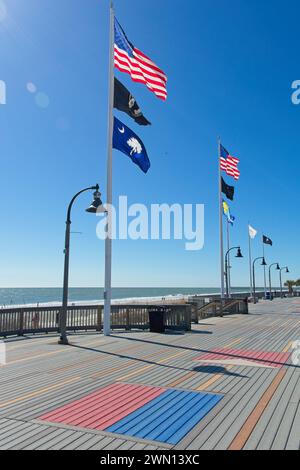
46	296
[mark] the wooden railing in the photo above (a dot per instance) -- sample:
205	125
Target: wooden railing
21	321
217	308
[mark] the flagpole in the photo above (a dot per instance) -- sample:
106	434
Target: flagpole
229	267
221	223
265	276
250	261
108	240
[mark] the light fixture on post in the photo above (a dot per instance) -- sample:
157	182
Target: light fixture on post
238	255
270	280
280	278
96	204
263	263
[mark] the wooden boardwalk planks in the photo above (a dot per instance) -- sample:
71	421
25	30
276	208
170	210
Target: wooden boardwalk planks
41	377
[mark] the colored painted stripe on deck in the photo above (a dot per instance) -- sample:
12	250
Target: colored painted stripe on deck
104	407
245	432
263	358
145	412
168	418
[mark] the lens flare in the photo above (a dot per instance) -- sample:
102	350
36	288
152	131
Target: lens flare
31	87
3	10
42	100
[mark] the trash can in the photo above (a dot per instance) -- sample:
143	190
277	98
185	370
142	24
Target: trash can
157	320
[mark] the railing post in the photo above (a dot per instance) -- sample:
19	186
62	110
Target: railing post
57	315
99	318
214	306
127	319
188	315
21	324
178	317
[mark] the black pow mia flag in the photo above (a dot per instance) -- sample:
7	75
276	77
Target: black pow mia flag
267	241
125	102
227	190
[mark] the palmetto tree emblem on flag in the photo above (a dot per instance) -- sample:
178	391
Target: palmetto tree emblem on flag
135	145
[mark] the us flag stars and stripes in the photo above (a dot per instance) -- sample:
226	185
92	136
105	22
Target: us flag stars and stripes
131	60
229	164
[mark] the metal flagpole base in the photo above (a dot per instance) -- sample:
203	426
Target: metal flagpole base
63	341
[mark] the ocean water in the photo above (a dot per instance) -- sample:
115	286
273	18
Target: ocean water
23	296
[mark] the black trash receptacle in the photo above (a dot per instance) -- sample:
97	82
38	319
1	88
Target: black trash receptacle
157	320
269	296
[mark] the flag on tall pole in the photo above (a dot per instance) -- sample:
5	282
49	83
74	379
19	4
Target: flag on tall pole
131	60
228	163
252	232
227	190
221	224
124	101
227	213
127	58
125	140
265	241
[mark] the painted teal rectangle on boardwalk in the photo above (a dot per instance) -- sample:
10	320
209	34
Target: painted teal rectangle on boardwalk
167	418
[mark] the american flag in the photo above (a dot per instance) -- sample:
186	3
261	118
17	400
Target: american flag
131	60
229	164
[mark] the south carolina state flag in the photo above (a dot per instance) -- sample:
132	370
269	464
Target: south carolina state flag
125	140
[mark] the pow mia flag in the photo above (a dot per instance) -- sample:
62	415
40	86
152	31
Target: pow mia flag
267	240
124	101
227	190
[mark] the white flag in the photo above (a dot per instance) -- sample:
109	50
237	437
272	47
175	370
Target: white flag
252	232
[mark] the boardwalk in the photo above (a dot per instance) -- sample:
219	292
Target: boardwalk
229	384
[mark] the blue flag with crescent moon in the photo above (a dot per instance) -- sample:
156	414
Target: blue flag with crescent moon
125	140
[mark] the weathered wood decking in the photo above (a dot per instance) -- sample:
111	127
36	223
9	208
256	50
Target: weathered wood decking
260	406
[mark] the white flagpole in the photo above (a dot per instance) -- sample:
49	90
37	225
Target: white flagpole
229	266
250	261
108	241
265	276
221	222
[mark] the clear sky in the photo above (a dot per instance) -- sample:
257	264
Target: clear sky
230	67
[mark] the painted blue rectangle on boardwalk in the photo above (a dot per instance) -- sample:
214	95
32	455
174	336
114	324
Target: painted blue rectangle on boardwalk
168	418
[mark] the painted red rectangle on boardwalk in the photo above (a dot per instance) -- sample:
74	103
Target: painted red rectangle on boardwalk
104	407
263	358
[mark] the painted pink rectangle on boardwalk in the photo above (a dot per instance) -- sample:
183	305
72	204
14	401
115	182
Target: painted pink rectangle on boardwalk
104	407
267	358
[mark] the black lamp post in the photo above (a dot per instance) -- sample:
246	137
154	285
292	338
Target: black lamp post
238	255
280	277
253	274
270	280
97	203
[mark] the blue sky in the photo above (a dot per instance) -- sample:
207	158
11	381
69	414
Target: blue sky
230	67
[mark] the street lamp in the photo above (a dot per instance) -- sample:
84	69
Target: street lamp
238	255
280	277
270	283
94	207
253	274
